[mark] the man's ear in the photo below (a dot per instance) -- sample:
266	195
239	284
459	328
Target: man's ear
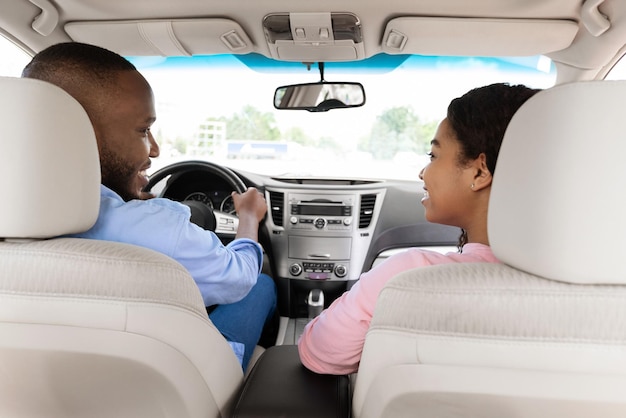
482	175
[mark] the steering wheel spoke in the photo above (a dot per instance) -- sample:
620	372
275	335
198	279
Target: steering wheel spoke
225	223
220	222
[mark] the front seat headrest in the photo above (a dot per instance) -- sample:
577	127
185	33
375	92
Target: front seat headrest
49	160
559	189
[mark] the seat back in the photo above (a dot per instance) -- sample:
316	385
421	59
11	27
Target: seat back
90	328
543	333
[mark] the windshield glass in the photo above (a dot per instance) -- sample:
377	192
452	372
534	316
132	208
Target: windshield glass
221	109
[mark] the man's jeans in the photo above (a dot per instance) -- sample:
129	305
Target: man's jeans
243	321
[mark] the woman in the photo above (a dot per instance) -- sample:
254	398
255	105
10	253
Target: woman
457	183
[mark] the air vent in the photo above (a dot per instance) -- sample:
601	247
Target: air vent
367	210
325	181
277	205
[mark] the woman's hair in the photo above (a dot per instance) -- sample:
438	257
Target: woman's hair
479	119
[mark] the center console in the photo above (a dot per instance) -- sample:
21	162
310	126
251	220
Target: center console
320	238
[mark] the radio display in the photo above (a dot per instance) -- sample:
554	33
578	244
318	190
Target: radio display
335	210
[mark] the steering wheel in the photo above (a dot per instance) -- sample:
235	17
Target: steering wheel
203	216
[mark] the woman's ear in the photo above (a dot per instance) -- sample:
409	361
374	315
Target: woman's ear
482	175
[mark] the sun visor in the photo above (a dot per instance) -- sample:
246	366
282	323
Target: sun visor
476	37
173	37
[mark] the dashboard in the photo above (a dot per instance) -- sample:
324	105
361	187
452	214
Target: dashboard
202	186
211	199
318	233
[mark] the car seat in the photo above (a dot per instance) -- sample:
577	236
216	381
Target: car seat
543	334
90	328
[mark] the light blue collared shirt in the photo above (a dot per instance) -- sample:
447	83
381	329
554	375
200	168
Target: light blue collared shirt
224	274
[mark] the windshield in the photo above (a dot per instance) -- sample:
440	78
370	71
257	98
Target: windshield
221	109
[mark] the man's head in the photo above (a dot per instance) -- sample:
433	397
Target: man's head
119	103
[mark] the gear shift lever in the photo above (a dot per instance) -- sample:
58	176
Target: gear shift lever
315	302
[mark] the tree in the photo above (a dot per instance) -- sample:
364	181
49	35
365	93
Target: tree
329	143
252	124
398	129
180	144
297	135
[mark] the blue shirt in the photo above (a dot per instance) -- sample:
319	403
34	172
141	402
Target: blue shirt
224	274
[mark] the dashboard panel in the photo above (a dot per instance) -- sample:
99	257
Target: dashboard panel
202	186
320	233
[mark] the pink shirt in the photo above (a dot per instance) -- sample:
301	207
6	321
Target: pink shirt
332	342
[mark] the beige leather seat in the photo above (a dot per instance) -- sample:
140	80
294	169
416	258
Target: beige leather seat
90	328
544	333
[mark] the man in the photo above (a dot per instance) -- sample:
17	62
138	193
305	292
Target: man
120	105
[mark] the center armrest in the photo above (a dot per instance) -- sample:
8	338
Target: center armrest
279	385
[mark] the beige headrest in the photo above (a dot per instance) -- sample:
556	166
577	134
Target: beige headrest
50	170
558	200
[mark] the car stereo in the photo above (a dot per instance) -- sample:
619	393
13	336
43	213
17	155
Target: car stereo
310	213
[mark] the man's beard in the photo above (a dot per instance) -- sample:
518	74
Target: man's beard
118	175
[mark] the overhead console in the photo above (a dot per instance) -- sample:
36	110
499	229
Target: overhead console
314	36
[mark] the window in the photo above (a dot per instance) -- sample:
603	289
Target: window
13	59
220	108
618	72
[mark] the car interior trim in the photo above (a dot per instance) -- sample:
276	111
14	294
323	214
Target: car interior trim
467	36
163	37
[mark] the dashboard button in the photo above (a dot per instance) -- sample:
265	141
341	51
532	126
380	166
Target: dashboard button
295	269
341	270
318	276
319	223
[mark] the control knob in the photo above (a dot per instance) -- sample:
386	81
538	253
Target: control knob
319	223
341	270
295	269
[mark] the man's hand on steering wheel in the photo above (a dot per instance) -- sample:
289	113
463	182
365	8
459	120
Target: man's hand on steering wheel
251	208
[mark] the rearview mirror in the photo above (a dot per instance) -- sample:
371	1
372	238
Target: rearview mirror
319	97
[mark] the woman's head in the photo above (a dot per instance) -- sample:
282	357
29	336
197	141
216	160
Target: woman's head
480	117
463	155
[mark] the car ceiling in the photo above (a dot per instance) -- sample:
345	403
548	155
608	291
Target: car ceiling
584	38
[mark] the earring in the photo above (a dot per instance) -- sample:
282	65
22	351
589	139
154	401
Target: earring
472	186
